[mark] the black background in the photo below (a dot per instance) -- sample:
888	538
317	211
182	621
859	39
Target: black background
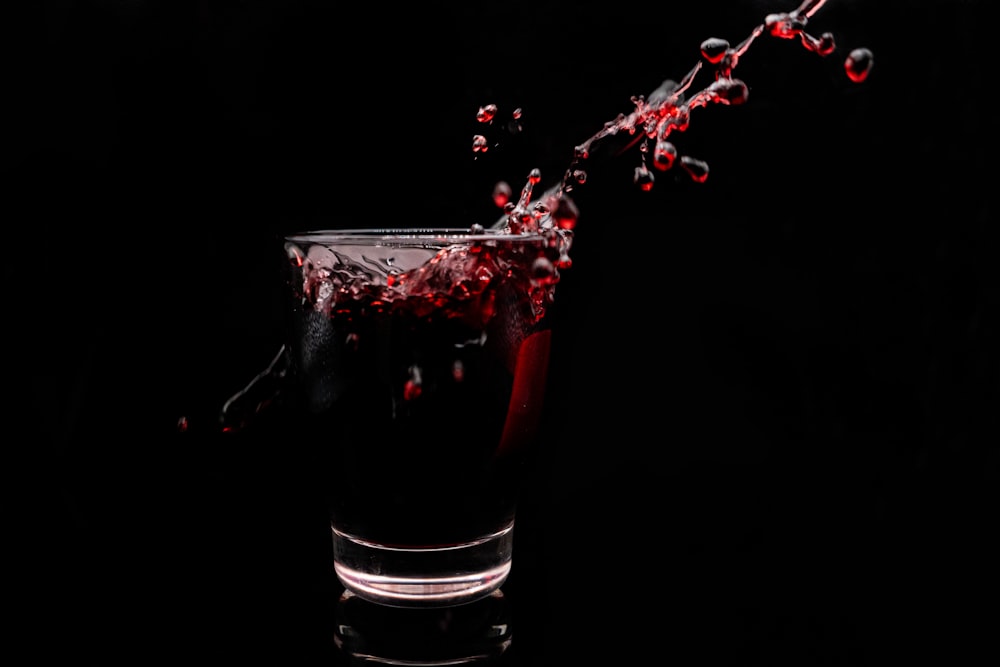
771	433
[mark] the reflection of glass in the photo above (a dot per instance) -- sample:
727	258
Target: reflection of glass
419	360
477	633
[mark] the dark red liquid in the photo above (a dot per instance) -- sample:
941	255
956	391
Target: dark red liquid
422	407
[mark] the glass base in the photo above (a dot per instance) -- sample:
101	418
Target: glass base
423	576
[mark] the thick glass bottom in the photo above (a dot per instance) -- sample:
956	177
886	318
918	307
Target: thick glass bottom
415	576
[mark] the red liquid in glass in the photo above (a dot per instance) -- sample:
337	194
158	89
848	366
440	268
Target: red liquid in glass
423	394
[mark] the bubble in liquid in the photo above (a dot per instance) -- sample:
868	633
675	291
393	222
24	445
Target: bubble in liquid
859	64
322	292
543	272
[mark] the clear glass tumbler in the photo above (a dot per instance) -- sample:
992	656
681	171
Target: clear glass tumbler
419	361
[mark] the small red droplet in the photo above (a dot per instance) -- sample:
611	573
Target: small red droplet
411	390
859	64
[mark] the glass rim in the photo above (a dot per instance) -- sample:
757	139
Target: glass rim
408	235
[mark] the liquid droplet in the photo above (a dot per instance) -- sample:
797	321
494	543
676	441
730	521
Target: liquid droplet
696	169
826	44
729	91
644	178
859	64
565	213
486	113
714	50
414	385
502	193
664	155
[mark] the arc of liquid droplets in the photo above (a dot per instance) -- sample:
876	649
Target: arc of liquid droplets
667	110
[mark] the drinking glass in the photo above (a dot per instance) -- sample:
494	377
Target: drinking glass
419	358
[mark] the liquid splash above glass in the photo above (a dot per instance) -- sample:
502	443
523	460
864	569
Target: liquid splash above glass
666	110
463	272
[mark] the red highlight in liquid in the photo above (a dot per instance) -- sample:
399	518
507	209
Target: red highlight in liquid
526	399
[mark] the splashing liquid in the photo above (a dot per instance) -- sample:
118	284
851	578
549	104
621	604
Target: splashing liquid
443	282
668	110
420	361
